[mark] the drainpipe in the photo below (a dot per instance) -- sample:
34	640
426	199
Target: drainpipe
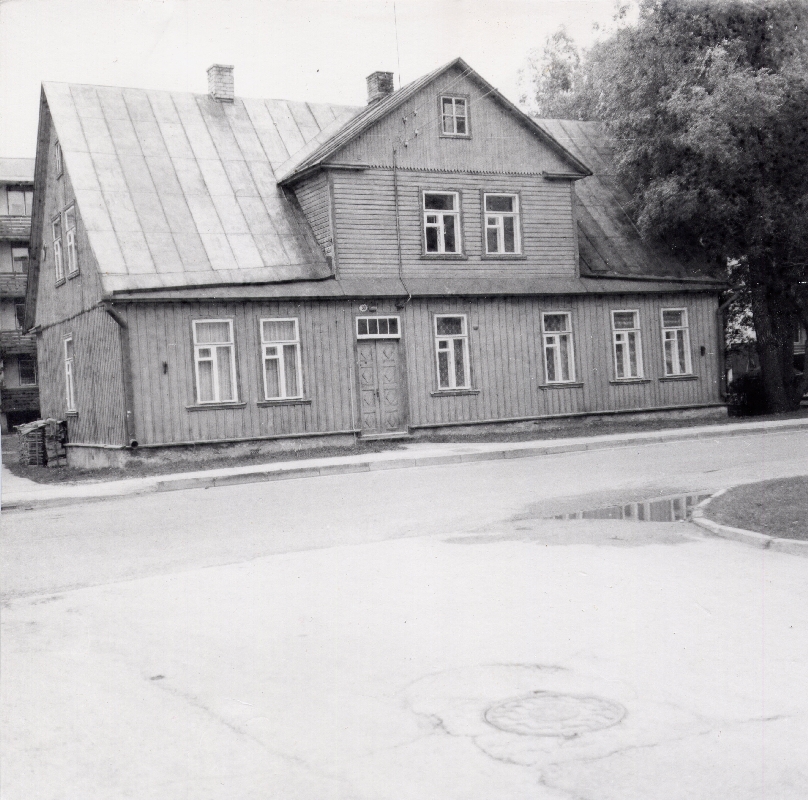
126	369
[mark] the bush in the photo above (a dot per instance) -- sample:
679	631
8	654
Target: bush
746	396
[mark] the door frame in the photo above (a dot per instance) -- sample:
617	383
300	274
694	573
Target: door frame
402	365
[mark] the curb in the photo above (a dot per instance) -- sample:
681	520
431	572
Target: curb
762	541
275	472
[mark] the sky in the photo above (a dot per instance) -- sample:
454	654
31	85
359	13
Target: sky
314	50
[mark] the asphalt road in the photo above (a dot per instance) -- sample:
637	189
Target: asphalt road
98	543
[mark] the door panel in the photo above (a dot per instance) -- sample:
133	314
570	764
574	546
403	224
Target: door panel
379	371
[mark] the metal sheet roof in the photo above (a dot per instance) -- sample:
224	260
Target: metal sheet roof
178	189
16	170
608	240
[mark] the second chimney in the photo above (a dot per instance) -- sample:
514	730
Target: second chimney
380	84
220	82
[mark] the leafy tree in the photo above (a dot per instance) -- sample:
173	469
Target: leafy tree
707	101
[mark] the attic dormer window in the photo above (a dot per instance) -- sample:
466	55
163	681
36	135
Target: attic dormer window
454	111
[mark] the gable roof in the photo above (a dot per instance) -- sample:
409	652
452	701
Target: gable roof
303	161
609	244
178	189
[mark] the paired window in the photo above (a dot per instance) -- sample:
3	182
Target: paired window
559	356
70	381
56	229
19	202
280	343
454	115
377	328
19	260
441	223
27	368
501	224
627	344
214	356
452	351
676	341
70	240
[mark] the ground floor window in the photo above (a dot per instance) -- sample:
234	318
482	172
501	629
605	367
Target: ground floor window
676	341
559	360
280	343
70	382
215	362
452	351
627	344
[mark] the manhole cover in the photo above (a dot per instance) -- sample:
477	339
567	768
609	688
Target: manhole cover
548	714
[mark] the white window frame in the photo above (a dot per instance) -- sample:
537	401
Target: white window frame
214	359
32	360
440	223
498	225
454	116
70	240
70	373
17	258
57	149
621	341
27	200
280	357
57	248
444	343
551	346
672	334
368	323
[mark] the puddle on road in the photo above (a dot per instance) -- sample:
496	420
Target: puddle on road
662	509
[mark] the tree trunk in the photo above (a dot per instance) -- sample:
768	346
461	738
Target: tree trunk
775	345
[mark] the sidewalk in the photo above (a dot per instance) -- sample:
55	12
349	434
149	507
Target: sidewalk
21	493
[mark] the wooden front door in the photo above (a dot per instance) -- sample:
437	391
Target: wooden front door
381	406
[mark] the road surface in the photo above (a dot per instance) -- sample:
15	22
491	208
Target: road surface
417	633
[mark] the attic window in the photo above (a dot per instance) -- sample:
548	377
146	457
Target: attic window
57	150
454	112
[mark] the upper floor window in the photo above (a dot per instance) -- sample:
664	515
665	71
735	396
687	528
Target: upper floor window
56	229
559	360
215	361
502	234
27	367
452	351
280	341
70	236
19	260
442	223
57	154
19	313
19	202
627	344
454	115
676	341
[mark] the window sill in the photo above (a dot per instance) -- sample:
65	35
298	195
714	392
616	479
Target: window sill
444	257
688	377
292	401
209	406
503	257
60	282
71	275
620	381
71	413
444	135
561	385
453	392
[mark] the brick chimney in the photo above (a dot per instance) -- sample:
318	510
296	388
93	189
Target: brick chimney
220	82
380	84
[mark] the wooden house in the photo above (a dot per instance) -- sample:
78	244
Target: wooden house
253	274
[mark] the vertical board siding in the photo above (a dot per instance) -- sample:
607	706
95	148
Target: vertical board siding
365	225
97	377
498	141
506	354
315	200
